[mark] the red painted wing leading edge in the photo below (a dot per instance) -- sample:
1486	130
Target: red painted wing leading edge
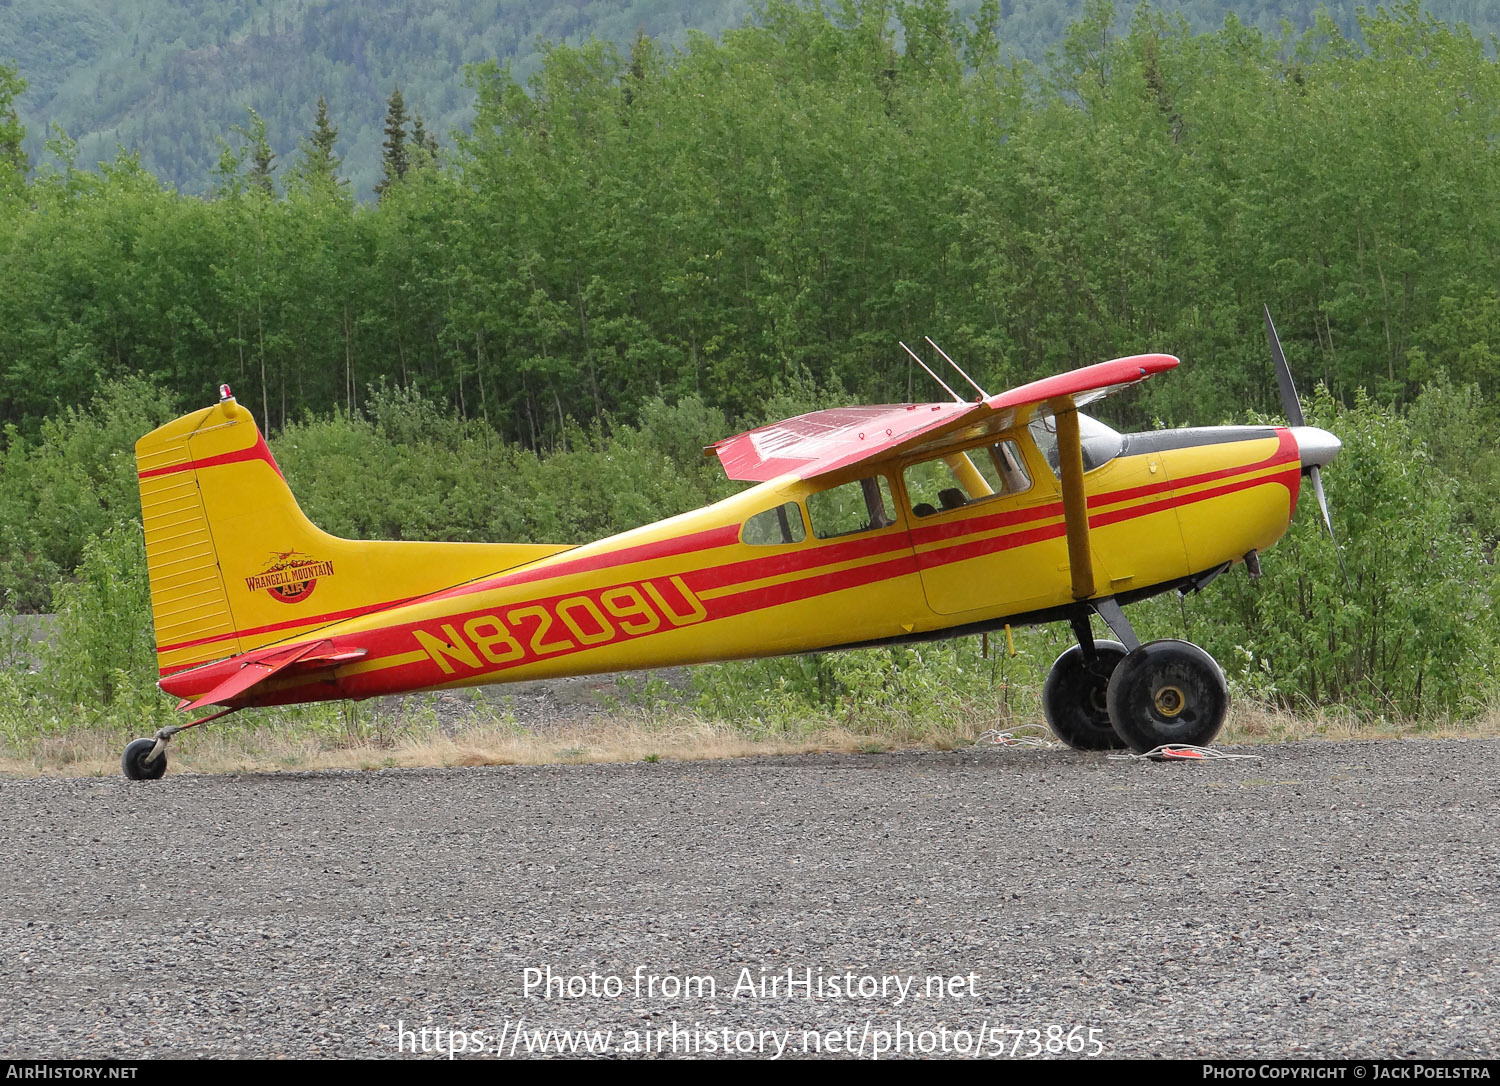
824	441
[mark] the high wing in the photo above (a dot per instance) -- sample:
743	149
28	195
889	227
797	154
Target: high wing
824	441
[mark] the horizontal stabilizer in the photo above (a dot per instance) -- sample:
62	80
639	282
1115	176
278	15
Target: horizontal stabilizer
243	674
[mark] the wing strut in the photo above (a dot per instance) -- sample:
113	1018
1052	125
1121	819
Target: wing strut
1075	501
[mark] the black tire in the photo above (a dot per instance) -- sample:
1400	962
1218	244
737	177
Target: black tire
1167	692
135	765
1074	699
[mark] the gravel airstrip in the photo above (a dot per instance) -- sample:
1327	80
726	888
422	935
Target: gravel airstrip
1326	900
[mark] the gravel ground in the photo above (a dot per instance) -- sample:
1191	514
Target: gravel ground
541	705
1329	900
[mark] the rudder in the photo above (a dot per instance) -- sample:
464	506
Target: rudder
189	603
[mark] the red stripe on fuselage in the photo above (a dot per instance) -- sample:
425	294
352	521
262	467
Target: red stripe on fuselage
758	599
290	624
799	561
978	548
1288	478
705	540
708	539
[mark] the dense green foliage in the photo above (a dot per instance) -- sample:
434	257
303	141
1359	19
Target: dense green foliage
73	483
1401	618
794	200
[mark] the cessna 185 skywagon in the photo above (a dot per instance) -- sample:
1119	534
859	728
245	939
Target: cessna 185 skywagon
869	525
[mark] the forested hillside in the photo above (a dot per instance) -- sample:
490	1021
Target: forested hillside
789	203
169	79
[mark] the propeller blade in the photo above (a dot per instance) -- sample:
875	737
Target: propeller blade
1317	482
1289	402
1293	407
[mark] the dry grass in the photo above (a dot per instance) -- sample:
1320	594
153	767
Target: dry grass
1250	722
259	750
239	749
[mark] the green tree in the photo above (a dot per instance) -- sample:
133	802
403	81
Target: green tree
395	161
261	158
424	144
319	166
13	161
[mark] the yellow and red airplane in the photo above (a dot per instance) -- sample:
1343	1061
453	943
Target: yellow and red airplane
869	525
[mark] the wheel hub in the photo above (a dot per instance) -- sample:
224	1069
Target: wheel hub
1170	700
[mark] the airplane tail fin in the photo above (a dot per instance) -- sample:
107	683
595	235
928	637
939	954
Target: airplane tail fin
233	562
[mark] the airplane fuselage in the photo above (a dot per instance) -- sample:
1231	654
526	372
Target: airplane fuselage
865	555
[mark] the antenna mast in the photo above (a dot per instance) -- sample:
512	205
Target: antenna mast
956	366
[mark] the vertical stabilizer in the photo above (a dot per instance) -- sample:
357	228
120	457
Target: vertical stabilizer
235	564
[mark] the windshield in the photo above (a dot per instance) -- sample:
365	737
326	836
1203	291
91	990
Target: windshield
1100	443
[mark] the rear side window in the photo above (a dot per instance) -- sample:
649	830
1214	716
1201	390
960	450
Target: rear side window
860	506
780	525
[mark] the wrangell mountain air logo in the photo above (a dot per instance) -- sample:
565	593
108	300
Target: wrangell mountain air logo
290	576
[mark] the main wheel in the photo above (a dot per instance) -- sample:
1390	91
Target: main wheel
1167	692
135	765
1074	699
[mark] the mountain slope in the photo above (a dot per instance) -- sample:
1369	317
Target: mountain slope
170	78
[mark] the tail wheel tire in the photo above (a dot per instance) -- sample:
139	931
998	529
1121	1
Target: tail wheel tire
1075	700
135	765
1167	692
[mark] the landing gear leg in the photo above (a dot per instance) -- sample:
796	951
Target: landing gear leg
1109	610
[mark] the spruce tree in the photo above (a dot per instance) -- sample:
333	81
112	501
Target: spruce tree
320	166
394	161
323	138
261	157
424	143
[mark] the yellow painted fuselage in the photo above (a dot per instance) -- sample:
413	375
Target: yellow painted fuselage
699	587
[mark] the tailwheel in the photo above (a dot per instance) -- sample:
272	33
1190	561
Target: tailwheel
1074	699
1167	692
135	762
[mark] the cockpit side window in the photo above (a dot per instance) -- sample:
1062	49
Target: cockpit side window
1101	444
860	506
780	525
957	479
